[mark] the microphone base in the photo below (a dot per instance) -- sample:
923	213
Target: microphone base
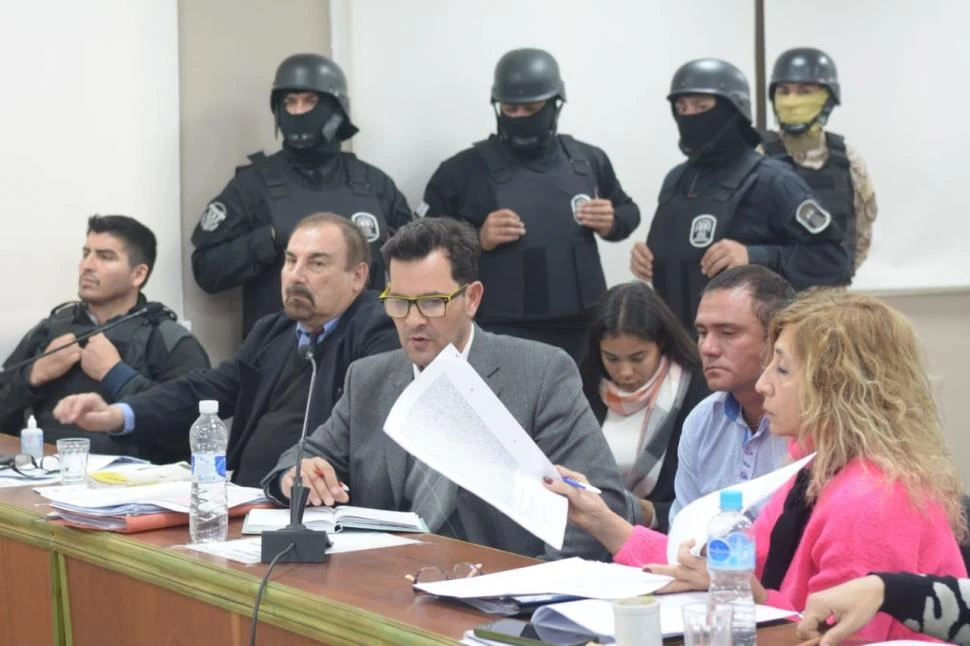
309	546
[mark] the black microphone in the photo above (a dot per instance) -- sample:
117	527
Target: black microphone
151	310
308	545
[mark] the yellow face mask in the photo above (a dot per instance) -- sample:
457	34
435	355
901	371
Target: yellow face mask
798	109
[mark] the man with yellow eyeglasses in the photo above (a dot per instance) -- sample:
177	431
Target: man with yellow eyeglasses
804	90
433	294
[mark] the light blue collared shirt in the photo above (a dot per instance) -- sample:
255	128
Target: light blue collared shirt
717	449
303	339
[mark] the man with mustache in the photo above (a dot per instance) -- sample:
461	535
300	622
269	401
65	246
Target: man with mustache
265	386
725	439
432	295
116	261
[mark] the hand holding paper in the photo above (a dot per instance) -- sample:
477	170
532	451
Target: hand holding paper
691	522
450	419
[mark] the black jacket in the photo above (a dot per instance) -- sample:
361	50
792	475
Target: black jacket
662	495
153	351
554	271
243	384
235	242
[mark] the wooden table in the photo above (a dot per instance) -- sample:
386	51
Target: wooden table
66	586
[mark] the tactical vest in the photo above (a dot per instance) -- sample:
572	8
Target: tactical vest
831	184
684	227
554	270
289	200
130	338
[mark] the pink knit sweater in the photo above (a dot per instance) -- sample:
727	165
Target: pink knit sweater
861	523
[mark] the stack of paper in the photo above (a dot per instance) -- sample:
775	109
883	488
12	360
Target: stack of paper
135	509
596	616
335	519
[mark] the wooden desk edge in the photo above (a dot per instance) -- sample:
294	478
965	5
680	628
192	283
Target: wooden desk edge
300	612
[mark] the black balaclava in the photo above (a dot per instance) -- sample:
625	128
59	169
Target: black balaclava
310	138
714	136
529	135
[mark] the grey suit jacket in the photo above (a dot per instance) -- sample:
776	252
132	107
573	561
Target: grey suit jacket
540	386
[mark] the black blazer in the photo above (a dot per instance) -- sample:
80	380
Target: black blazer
243	384
663	494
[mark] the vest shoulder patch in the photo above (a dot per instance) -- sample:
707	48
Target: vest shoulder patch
215	214
702	230
577	201
367	224
813	217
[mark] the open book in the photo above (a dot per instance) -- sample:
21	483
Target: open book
333	519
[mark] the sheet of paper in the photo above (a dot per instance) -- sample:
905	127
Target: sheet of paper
173	496
469	639
691	521
452	421
248	550
596	616
132	475
573	576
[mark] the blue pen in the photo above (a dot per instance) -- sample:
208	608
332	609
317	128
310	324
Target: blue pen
579	485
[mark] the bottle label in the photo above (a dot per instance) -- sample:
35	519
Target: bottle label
732	552
208	467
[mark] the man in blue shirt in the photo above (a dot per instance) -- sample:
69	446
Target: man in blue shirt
265	386
725	439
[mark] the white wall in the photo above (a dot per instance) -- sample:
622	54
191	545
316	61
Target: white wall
421	74
226	73
90	120
902	66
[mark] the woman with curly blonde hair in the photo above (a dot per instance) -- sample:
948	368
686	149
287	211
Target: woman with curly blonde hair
846	381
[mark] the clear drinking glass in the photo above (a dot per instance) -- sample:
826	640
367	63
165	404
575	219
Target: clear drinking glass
705	625
74	460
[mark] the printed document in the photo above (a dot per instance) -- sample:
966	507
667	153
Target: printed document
452	421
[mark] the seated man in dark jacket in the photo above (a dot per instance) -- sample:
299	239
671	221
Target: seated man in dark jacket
264	387
117	259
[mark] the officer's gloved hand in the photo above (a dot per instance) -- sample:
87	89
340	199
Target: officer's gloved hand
641	261
722	255
597	215
500	227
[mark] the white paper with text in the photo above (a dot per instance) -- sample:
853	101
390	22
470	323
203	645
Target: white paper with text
451	420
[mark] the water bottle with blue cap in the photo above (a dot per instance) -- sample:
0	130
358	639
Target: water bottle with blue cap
730	563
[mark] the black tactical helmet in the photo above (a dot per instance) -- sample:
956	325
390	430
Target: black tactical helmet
527	75
806	65
713	76
313	73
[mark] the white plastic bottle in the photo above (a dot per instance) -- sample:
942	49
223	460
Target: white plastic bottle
209	513
32	440
730	563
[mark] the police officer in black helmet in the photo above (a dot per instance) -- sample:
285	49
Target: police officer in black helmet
242	234
539	201
804	90
728	205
